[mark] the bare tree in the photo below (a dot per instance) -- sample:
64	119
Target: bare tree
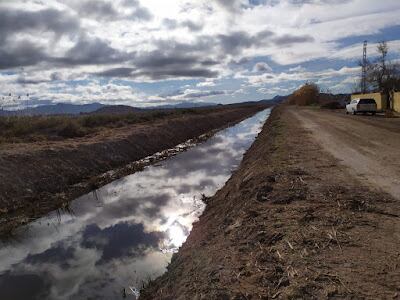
383	76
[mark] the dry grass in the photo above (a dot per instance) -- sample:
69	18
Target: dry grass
42	128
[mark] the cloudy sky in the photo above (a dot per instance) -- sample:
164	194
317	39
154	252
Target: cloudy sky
147	52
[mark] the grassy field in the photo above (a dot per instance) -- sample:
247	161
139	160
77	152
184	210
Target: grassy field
17	129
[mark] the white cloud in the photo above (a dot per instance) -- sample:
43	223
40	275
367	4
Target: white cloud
262	67
297	69
206	83
355	51
300	76
57	42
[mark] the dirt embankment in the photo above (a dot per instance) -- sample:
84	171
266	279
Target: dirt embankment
292	223
36	178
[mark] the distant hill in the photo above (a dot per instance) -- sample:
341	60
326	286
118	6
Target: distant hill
116	109
276	100
273	101
56	109
121	109
183	105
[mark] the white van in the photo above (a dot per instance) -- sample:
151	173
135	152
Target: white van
361	106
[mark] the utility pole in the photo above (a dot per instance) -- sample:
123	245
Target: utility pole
364	69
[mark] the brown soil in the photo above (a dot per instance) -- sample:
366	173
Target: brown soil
293	222
36	178
369	146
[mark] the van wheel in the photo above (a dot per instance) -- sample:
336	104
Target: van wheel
354	113
347	112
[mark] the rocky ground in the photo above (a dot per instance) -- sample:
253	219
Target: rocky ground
293	222
39	177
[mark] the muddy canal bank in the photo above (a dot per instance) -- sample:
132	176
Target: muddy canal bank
291	223
36	179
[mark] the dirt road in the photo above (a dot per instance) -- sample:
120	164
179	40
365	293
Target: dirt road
369	146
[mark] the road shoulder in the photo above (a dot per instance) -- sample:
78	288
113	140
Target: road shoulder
370	152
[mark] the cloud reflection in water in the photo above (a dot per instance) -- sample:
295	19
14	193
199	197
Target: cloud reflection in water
127	231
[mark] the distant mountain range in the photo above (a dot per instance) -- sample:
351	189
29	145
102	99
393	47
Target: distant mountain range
55	109
273	101
183	105
276	99
115	109
98	108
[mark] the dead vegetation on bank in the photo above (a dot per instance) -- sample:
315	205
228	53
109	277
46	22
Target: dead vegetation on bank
16	129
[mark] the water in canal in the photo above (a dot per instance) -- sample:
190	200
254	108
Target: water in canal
114	239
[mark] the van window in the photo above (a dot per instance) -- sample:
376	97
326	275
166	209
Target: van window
367	101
